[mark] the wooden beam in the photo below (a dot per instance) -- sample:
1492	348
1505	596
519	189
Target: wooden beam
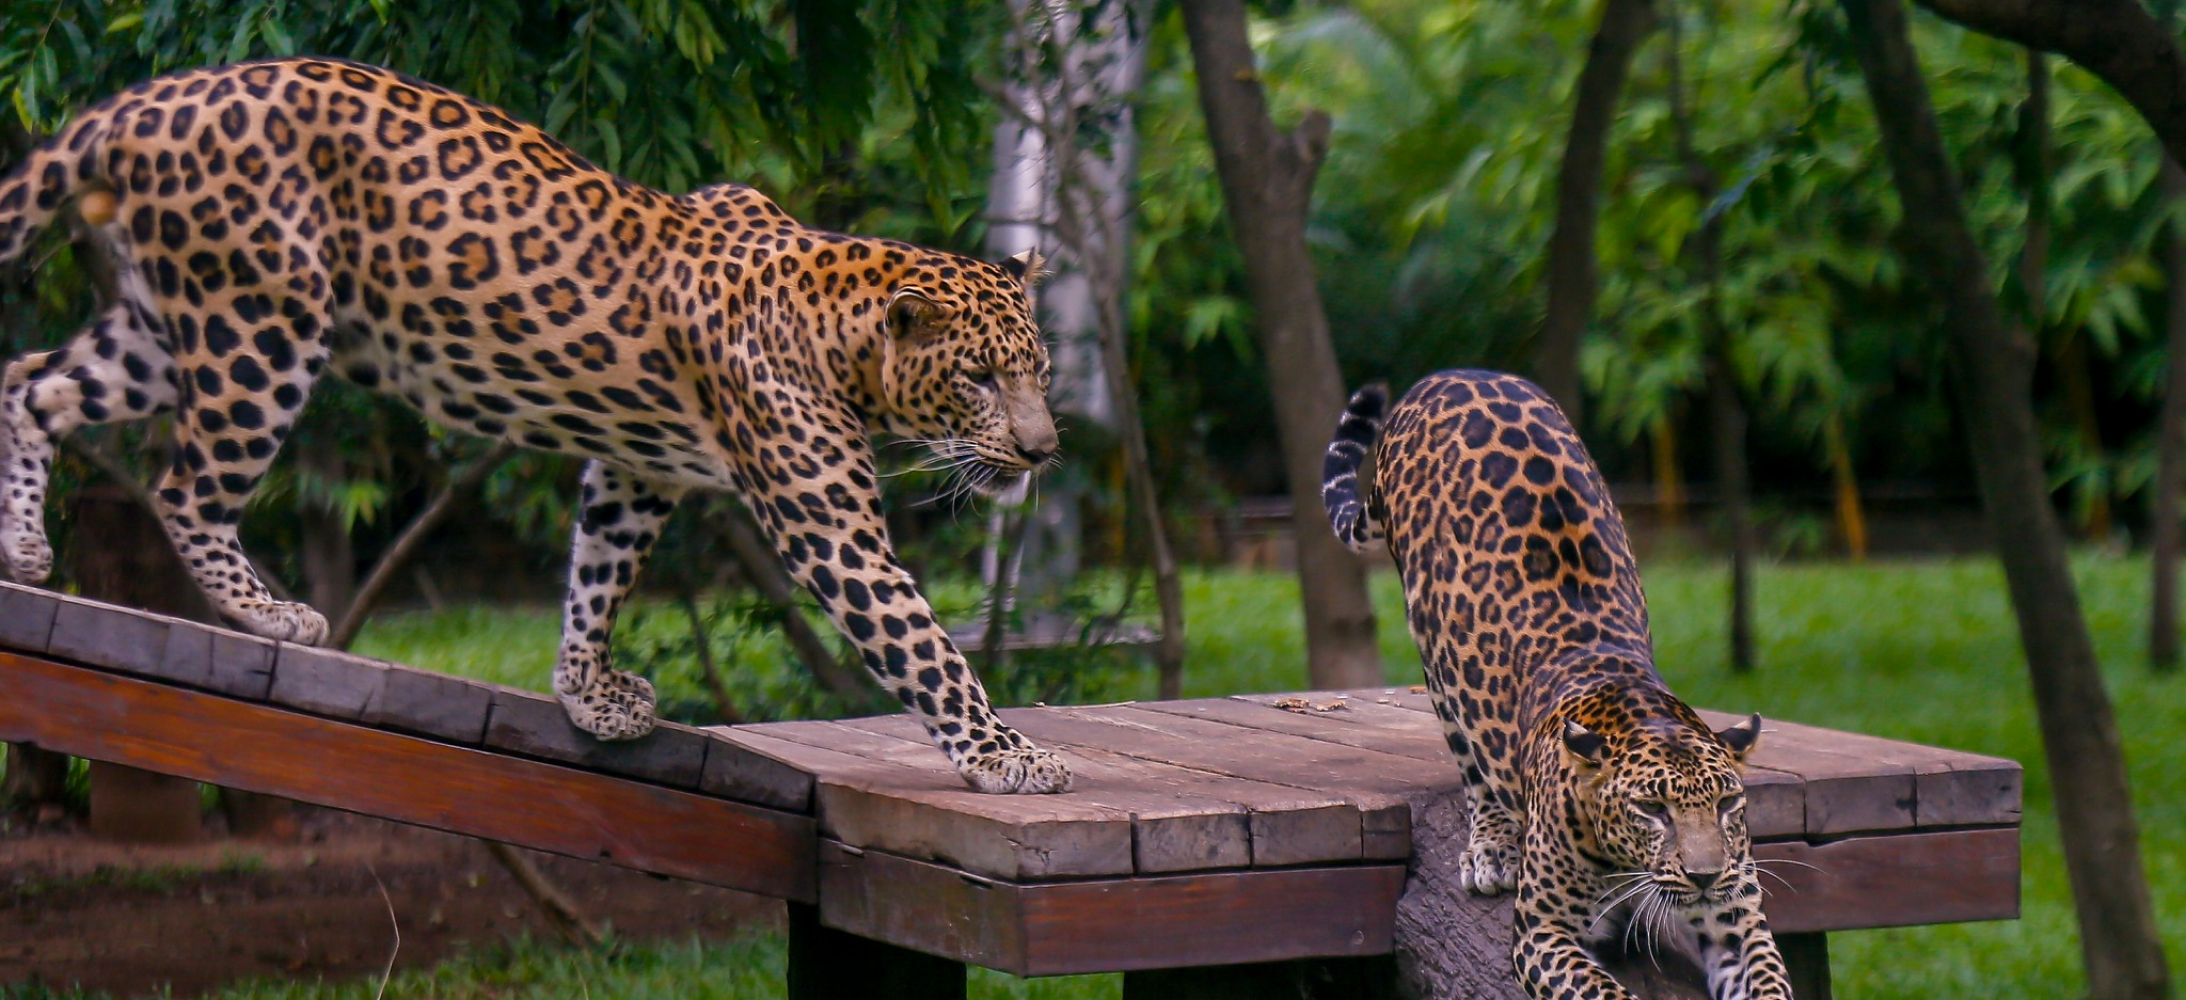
1110	925
542	806
1894	880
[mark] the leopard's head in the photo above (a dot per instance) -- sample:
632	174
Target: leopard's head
965	372
1660	797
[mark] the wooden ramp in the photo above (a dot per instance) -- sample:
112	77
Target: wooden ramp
331	729
1217	832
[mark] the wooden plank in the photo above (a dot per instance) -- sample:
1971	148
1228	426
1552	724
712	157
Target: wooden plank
741	773
535	725
1896	880
26	617
1776	800
1261	825
1380	784
1951	787
108	636
325	682
345	766
431	704
1111	925
920	808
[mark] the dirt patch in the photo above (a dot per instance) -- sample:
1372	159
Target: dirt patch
134	920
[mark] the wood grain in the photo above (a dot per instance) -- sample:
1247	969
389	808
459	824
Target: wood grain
1894	880
917	806
1275	825
345	766
1109	925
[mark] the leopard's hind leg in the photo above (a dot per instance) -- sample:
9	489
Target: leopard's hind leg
245	366
115	368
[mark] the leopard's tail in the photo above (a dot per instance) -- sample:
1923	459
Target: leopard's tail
67	166
1349	514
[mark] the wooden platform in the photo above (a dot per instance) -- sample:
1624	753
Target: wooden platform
1254	829
1233	830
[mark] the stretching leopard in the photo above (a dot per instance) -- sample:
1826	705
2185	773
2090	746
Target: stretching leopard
276	221
1594	792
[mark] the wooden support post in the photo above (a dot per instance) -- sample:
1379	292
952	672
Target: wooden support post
828	964
123	556
1807	955
36	777
1371	978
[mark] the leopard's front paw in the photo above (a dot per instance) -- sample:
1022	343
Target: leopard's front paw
1023	771
28	555
619	706
1489	865
283	620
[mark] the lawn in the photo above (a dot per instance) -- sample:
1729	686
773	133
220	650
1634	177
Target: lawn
1921	651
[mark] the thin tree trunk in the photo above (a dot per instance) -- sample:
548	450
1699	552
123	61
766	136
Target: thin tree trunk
702	646
763	567
1844	478
1669	479
2163	625
2075	370
561	911
2118	940
1572	284
1267	186
453	492
1726	407
1727	420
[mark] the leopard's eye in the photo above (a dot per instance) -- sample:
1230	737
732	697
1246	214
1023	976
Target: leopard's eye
983	378
1654	810
1731	803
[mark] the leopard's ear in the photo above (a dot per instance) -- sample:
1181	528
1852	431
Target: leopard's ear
1584	743
1742	737
912	312
1026	268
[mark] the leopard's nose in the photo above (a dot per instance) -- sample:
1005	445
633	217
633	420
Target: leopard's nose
1036	454
1703	880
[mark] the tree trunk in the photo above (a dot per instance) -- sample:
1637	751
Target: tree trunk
1571	280
1669	479
1727	426
2163	627
1726	406
2123	955
1267	185
2117	40
763	567
1845	480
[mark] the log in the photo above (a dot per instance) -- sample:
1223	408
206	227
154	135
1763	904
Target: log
1451	943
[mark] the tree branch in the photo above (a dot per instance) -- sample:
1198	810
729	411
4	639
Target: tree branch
2117	40
413	536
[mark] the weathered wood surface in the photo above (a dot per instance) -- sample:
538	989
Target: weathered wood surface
382	695
1240	782
1109	925
275	750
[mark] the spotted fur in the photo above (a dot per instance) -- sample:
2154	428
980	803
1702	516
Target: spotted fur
278	221
1595	793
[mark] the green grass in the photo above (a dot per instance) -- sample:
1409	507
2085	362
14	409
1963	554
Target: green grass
1923	651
